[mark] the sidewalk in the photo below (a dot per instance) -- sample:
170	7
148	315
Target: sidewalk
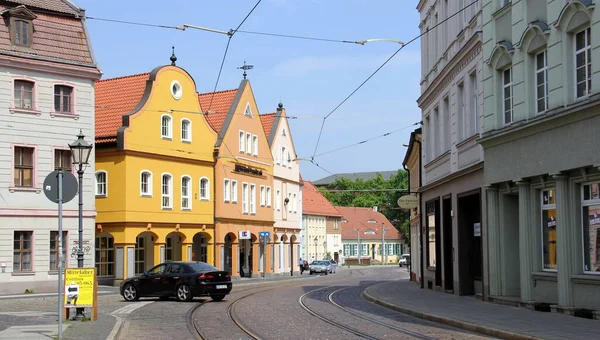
475	315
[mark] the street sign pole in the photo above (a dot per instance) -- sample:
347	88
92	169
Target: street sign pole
60	253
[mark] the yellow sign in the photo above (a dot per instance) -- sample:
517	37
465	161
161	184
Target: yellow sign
80	286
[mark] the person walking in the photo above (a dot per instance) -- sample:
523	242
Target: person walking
301	265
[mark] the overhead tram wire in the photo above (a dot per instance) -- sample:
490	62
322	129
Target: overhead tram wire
382	65
132	23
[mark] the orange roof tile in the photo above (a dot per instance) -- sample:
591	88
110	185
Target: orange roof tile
217	106
314	203
114	98
267	121
359	218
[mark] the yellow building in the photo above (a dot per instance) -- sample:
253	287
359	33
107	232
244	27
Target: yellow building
154	173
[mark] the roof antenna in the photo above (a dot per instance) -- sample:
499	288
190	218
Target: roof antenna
245	68
173	57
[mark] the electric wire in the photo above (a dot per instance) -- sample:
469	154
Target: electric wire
131	23
382	65
298	37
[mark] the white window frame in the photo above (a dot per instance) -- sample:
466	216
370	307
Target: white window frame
289	202
242	142
544	72
365	249
234	191
278	200
587	203
169	194
226	190
253	199
168	129
508	85
288	160
545	207
187	131
295	201
248	143
206	196
282	156
148	192
586	32
268	196
255	145
244	198
187	195
262	196
99	193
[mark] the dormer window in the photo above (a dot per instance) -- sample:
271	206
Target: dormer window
22	35
371	221
21	25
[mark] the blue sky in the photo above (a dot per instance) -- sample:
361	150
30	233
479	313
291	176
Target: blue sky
309	77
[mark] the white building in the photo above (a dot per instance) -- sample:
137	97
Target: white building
286	187
47	98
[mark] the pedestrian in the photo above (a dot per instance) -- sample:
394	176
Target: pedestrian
301	265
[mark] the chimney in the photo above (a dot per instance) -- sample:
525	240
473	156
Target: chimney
375	208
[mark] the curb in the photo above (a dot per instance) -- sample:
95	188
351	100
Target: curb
116	331
448	321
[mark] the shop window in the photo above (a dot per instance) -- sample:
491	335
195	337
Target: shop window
549	229
591	228
105	256
431	256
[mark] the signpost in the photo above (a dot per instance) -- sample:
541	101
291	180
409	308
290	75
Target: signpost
264	239
408	202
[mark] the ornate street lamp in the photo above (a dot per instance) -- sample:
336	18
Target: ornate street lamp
316	244
324	249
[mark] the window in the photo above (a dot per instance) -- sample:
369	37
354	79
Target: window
140	258
23	167
248	111
204	189
365	250
101	183
176	90
268	196
583	63
462	126
23	94
63	160
234	192
549	229
541	82
262	196
186	130
226	190
294	202
186	192
289	202
22	251
346	250
255	145
253	198
389	249
245	198
431	253
289	160
282	156
248	143
507	95
474	116
54	242
63	96
146	183
278	200
105	256
22	32
591	228
166	127
167	191
242	147
504	3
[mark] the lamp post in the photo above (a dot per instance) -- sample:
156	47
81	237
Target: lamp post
358	237
80	151
324	250
316	244
383	252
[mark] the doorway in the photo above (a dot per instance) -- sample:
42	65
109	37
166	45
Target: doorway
245	258
448	247
227	254
509	220
470	256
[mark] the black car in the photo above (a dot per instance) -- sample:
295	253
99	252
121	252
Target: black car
182	280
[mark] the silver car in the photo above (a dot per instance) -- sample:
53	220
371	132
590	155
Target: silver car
323	267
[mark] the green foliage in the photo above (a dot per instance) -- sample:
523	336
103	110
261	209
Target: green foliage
384	200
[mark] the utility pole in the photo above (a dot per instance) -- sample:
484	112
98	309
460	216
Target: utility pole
359	248
383	252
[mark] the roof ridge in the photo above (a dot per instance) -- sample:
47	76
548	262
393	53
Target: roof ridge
216	92
124	77
268	114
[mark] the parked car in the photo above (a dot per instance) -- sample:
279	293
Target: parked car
182	280
404	260
321	266
333	266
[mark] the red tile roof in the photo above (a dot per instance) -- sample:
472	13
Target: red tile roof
314	203
51	5
359	218
54	37
114	98
217	106
267	121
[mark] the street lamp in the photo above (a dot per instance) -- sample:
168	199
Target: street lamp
358	237
316	244
383	253
324	249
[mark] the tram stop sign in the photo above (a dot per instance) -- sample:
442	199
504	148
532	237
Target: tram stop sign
69	186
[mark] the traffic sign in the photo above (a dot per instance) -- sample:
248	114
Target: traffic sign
266	234
69	186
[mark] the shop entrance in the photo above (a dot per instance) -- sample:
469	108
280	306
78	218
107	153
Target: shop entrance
510	270
448	246
245	258
470	255
227	265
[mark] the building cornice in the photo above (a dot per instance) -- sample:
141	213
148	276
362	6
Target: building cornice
462	172
141	154
10	60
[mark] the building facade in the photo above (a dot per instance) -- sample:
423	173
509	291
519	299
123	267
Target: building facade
368	237
48	99
542	87
452	161
154	173
317	214
244	183
333	247
412	164
286	188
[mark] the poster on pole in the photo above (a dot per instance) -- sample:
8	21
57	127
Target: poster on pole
80	287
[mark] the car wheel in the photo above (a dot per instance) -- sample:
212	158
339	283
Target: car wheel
184	294
311	272
130	293
217	297
326	272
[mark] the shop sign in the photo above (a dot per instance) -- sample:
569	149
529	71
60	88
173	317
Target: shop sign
477	229
248	170
245	234
408	202
80	287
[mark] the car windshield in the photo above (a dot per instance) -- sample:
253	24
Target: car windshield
202	267
320	263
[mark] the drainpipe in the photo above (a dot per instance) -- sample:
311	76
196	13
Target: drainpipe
421	214
409	226
215	158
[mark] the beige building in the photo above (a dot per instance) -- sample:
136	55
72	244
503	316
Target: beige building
412	164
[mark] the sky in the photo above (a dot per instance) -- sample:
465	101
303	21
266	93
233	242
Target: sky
309	77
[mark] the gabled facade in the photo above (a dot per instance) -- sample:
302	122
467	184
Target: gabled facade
154	173
243	183
451	102
48	99
317	215
287	205
412	164
368	237
542	109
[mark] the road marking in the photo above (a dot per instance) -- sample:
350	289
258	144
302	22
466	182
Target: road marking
30	313
31	332
130	308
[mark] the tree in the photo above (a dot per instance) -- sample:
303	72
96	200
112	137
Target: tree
386	201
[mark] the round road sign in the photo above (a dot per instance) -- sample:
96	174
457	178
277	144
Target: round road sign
69	186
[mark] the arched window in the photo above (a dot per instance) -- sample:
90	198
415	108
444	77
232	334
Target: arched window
186	130
167	191
186	192
145	183
166	130
101	183
204	189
